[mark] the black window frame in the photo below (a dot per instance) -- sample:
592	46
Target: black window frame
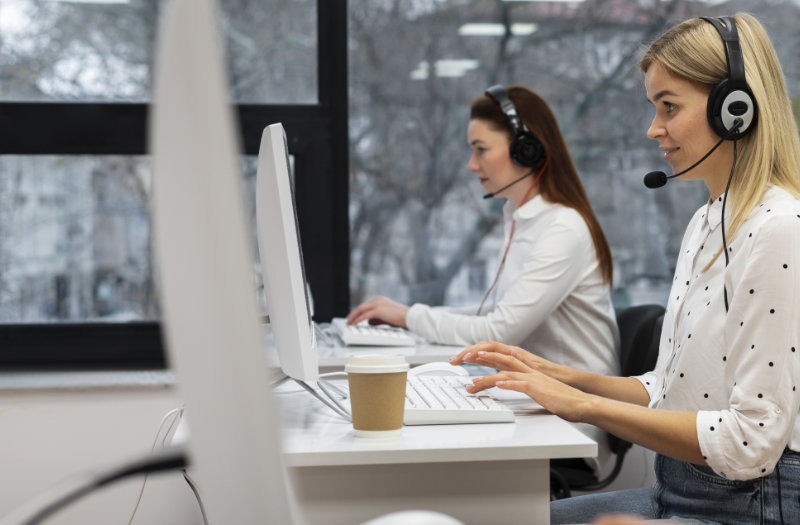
317	137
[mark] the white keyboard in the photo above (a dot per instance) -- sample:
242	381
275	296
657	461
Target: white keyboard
365	335
442	400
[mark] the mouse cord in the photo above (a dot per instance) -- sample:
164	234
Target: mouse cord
176	414
193	486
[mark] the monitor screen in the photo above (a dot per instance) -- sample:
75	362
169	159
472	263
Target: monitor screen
281	256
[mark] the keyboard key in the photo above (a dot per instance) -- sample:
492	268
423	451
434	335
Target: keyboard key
366	335
432	400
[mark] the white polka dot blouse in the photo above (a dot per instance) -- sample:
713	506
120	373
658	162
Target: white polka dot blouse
738	369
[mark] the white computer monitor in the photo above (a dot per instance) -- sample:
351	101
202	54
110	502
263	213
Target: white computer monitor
204	262
288	305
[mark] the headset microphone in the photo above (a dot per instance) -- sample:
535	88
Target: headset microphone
656	179
504	188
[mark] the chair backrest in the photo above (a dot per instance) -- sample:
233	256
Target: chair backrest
639	335
639	332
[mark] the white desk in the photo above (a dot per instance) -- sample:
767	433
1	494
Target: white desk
481	474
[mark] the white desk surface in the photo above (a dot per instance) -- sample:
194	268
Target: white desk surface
479	473
315	436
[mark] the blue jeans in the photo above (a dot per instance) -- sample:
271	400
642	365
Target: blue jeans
687	493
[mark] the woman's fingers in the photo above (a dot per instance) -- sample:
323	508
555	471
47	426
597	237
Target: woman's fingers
481	351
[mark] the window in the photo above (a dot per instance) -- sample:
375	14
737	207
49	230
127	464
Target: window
374	98
77	283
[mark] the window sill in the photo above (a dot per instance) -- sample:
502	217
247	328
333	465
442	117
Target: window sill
86	380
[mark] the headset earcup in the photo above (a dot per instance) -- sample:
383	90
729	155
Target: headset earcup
725	104
526	150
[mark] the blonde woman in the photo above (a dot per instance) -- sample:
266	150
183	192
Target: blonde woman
720	409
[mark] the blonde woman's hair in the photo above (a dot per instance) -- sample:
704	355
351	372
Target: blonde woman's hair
770	154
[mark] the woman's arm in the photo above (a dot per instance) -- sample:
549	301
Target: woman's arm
670	433
616	404
514	359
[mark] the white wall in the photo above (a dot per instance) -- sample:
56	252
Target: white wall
49	435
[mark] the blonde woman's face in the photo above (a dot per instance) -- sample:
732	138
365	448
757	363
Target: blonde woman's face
681	128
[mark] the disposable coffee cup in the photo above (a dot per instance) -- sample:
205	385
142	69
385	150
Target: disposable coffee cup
377	394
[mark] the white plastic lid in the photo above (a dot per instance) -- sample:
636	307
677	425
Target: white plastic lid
376	364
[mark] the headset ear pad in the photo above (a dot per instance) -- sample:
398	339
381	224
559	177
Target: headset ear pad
726	103
526	150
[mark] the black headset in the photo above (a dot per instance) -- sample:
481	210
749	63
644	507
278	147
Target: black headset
731	99
525	150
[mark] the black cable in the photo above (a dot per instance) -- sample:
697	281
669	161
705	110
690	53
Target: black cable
74	488
196	491
722	222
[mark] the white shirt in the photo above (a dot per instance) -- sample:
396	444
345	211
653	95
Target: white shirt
550	296
738	370
550	299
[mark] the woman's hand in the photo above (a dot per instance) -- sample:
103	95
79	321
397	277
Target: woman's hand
556	397
379	310
524	372
509	358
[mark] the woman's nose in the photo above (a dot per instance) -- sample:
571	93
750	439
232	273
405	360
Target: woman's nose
472	164
656	129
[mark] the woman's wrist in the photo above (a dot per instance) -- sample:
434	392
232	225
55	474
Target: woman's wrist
576	378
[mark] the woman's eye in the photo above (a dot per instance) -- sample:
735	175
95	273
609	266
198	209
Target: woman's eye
670	107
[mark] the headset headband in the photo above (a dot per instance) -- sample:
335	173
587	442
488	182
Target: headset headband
733	49
499	94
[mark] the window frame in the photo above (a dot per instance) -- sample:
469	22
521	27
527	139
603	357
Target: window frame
317	136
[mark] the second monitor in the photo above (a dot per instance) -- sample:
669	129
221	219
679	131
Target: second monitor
282	259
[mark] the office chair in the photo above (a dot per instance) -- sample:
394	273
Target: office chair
640	332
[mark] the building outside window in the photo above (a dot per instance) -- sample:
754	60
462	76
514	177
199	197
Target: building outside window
75	239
